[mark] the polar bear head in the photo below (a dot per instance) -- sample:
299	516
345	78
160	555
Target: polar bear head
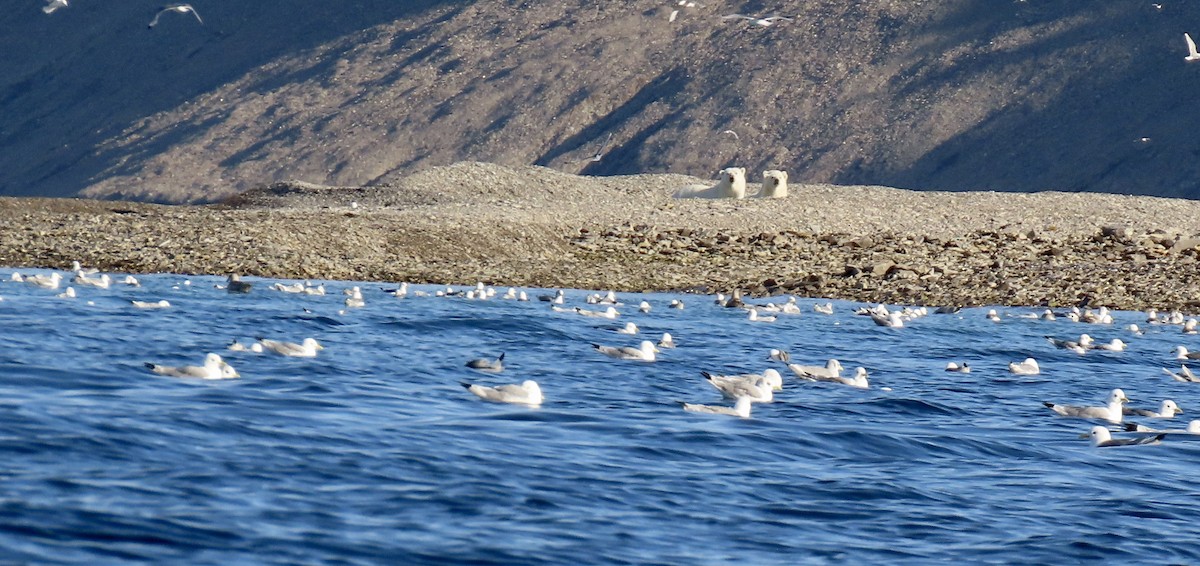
774	184
733	183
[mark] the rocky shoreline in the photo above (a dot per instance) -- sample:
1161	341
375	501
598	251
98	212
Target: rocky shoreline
537	227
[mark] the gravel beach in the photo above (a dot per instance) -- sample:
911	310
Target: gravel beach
532	226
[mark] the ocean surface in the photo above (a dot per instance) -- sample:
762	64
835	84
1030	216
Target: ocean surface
372	452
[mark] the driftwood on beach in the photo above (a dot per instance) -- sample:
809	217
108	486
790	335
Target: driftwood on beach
538	227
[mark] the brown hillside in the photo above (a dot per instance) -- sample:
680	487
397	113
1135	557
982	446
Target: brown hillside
955	95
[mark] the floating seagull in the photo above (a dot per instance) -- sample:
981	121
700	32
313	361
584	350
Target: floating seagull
236	346
234	284
1115	345
676	304
295	288
1112	412
177	8
1191	47
739	409
46	282
492	366
610	312
890	320
779	356
355	300
1027	367
131	281
992	316
645	353
556	298
1167	410
629	328
859	379
644	307
160	304
832	368
963	368
826	308
527	393
54	5
1078	347
1181	353
754	317
1101	438
666	341
736	386
306	349
1184	375
68	294
771	376
77	267
1193	427
214	368
102	282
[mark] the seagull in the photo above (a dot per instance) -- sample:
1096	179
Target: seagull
1191	47
771	376
355	300
832	368
1115	345
1027	367
1079	347
236	346
1112	412
666	341
214	368
629	328
1184	375
556	298
1167	410
1101	438
600	152
160	304
779	356
645	353
527	393
179	8
992	316
1181	353
754	317
826	308
960	368
610	312
859	379
676	304
644	307
890	320
737	386
54	5
43	281
739	409
764	22
306	349
68	294
483	364
1192	428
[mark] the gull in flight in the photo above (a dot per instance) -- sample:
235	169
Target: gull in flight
1191	47
214	368
644	353
527	393
739	409
1112	412
179	8
600	152
764	22
484	364
1101	438
306	349
54	5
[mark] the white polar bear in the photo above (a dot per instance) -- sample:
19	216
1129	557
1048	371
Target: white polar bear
774	184
732	185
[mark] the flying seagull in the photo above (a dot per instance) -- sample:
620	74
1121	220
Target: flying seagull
1191	45
599	152
180	8
54	5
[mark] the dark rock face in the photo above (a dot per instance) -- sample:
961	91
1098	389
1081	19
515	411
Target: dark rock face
955	95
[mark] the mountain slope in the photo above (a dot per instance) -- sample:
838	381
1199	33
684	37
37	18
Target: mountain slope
958	95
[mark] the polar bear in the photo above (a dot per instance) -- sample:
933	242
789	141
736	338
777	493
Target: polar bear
732	185
774	184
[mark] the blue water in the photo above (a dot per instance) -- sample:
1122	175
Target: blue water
373	452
